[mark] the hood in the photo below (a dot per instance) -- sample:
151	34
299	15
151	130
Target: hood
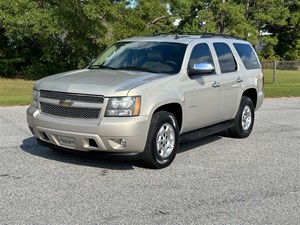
97	81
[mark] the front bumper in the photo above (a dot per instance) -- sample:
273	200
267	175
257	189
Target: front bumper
109	134
96	154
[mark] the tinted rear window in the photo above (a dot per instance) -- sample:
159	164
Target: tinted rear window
225	57
247	55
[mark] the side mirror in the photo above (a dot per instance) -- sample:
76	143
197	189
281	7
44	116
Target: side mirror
91	60
201	68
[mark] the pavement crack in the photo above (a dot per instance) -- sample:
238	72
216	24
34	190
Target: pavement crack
162	212
5	175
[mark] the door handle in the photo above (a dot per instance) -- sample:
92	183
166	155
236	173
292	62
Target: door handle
239	79
216	84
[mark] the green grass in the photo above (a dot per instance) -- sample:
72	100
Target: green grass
287	84
15	92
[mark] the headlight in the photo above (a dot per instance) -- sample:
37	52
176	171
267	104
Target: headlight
123	106
35	95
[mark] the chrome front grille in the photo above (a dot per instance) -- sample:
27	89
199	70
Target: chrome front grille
72	96
70	112
71	105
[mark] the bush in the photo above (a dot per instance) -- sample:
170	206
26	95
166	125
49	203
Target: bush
7	67
35	71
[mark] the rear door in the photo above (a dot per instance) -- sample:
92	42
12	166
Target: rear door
230	80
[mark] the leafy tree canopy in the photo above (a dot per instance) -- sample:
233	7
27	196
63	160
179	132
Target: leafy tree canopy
41	37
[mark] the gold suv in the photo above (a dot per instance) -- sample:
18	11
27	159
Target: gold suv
145	94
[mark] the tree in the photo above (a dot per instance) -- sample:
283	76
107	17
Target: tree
50	36
22	30
41	37
264	15
249	19
214	16
288	46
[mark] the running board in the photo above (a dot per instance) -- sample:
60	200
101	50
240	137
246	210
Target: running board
206	131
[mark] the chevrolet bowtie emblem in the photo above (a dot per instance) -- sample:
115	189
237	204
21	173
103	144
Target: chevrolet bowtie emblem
66	103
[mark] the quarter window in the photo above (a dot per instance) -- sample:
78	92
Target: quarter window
225	57
247	55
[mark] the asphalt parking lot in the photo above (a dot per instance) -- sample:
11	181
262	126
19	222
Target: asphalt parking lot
215	180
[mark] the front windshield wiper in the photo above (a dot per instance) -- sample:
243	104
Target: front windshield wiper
102	67
136	68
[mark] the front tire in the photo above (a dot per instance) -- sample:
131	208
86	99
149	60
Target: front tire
243	120
162	142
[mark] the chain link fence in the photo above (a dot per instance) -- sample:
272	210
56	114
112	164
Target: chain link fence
280	65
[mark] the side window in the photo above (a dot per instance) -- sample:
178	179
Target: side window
200	53
225	57
247	55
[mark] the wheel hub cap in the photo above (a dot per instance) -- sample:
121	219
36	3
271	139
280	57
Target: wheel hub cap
165	140
246	118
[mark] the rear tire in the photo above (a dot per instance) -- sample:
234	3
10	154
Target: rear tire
243	120
162	142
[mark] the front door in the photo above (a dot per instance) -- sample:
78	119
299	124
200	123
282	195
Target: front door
203	93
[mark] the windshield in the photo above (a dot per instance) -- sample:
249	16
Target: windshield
155	57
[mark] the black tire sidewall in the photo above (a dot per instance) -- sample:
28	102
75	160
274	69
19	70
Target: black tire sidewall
152	156
246	101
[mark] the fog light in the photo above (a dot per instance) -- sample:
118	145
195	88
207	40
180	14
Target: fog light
123	143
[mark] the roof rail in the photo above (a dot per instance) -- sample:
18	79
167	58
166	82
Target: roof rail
202	35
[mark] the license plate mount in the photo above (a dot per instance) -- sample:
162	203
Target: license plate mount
66	141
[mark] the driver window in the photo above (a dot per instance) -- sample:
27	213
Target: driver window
200	53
